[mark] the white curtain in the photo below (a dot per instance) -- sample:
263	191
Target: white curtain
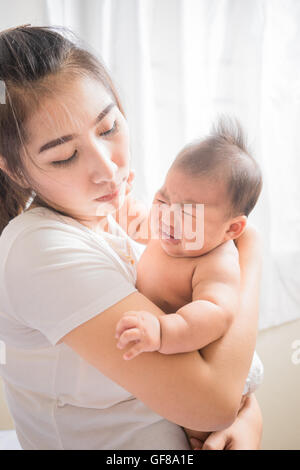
177	64
242	57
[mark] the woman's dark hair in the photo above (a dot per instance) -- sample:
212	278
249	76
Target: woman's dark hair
33	62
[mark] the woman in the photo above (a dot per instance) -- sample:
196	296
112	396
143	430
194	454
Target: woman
65	282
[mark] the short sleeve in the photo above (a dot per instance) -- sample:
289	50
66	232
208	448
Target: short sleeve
57	278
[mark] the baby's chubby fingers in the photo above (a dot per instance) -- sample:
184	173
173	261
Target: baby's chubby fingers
129	320
140	327
127	336
133	352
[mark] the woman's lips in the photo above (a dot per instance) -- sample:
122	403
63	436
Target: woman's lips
108	197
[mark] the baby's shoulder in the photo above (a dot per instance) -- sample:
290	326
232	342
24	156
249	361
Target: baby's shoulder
222	260
227	249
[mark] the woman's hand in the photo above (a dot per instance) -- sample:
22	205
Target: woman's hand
132	216
129	182
244	434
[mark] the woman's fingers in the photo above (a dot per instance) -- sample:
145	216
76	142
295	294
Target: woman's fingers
131	176
130	179
215	441
195	443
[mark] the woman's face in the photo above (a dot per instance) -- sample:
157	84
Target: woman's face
79	148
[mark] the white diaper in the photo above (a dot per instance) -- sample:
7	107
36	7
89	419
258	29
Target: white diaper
255	376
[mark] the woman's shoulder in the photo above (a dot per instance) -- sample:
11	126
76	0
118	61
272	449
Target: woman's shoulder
40	238
33	225
40	234
40	218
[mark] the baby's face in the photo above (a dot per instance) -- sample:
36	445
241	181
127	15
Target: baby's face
190	214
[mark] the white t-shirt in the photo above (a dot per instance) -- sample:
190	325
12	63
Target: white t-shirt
56	274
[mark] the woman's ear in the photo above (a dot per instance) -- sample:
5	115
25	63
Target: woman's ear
236	227
3	167
20	182
2	164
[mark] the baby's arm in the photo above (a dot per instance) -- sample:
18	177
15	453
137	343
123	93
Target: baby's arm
216	284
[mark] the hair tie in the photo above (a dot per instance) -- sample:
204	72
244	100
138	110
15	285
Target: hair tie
2	92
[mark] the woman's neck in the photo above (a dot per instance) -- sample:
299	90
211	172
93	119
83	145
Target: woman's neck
97	224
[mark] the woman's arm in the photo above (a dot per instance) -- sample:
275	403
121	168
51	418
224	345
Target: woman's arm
241	336
182	388
244	434
198	392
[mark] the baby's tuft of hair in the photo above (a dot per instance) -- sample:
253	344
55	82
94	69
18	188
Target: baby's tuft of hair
224	157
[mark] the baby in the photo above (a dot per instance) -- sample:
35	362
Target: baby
209	191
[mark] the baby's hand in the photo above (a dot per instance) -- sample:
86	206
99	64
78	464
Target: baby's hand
141	327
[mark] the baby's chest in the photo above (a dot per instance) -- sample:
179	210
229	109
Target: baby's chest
165	280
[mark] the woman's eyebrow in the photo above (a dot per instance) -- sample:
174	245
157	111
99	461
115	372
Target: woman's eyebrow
67	138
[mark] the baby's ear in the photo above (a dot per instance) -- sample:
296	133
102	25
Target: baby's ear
236	227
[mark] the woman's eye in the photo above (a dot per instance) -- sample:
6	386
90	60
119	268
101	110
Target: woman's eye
72	158
110	131
160	202
65	162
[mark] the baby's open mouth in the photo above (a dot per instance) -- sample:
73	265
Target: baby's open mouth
166	231
167	234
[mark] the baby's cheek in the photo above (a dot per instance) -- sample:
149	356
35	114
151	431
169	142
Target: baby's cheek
193	239
189	229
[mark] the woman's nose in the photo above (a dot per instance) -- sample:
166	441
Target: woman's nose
102	165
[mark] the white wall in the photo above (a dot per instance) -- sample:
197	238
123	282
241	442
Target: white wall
6	421
279	394
15	13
